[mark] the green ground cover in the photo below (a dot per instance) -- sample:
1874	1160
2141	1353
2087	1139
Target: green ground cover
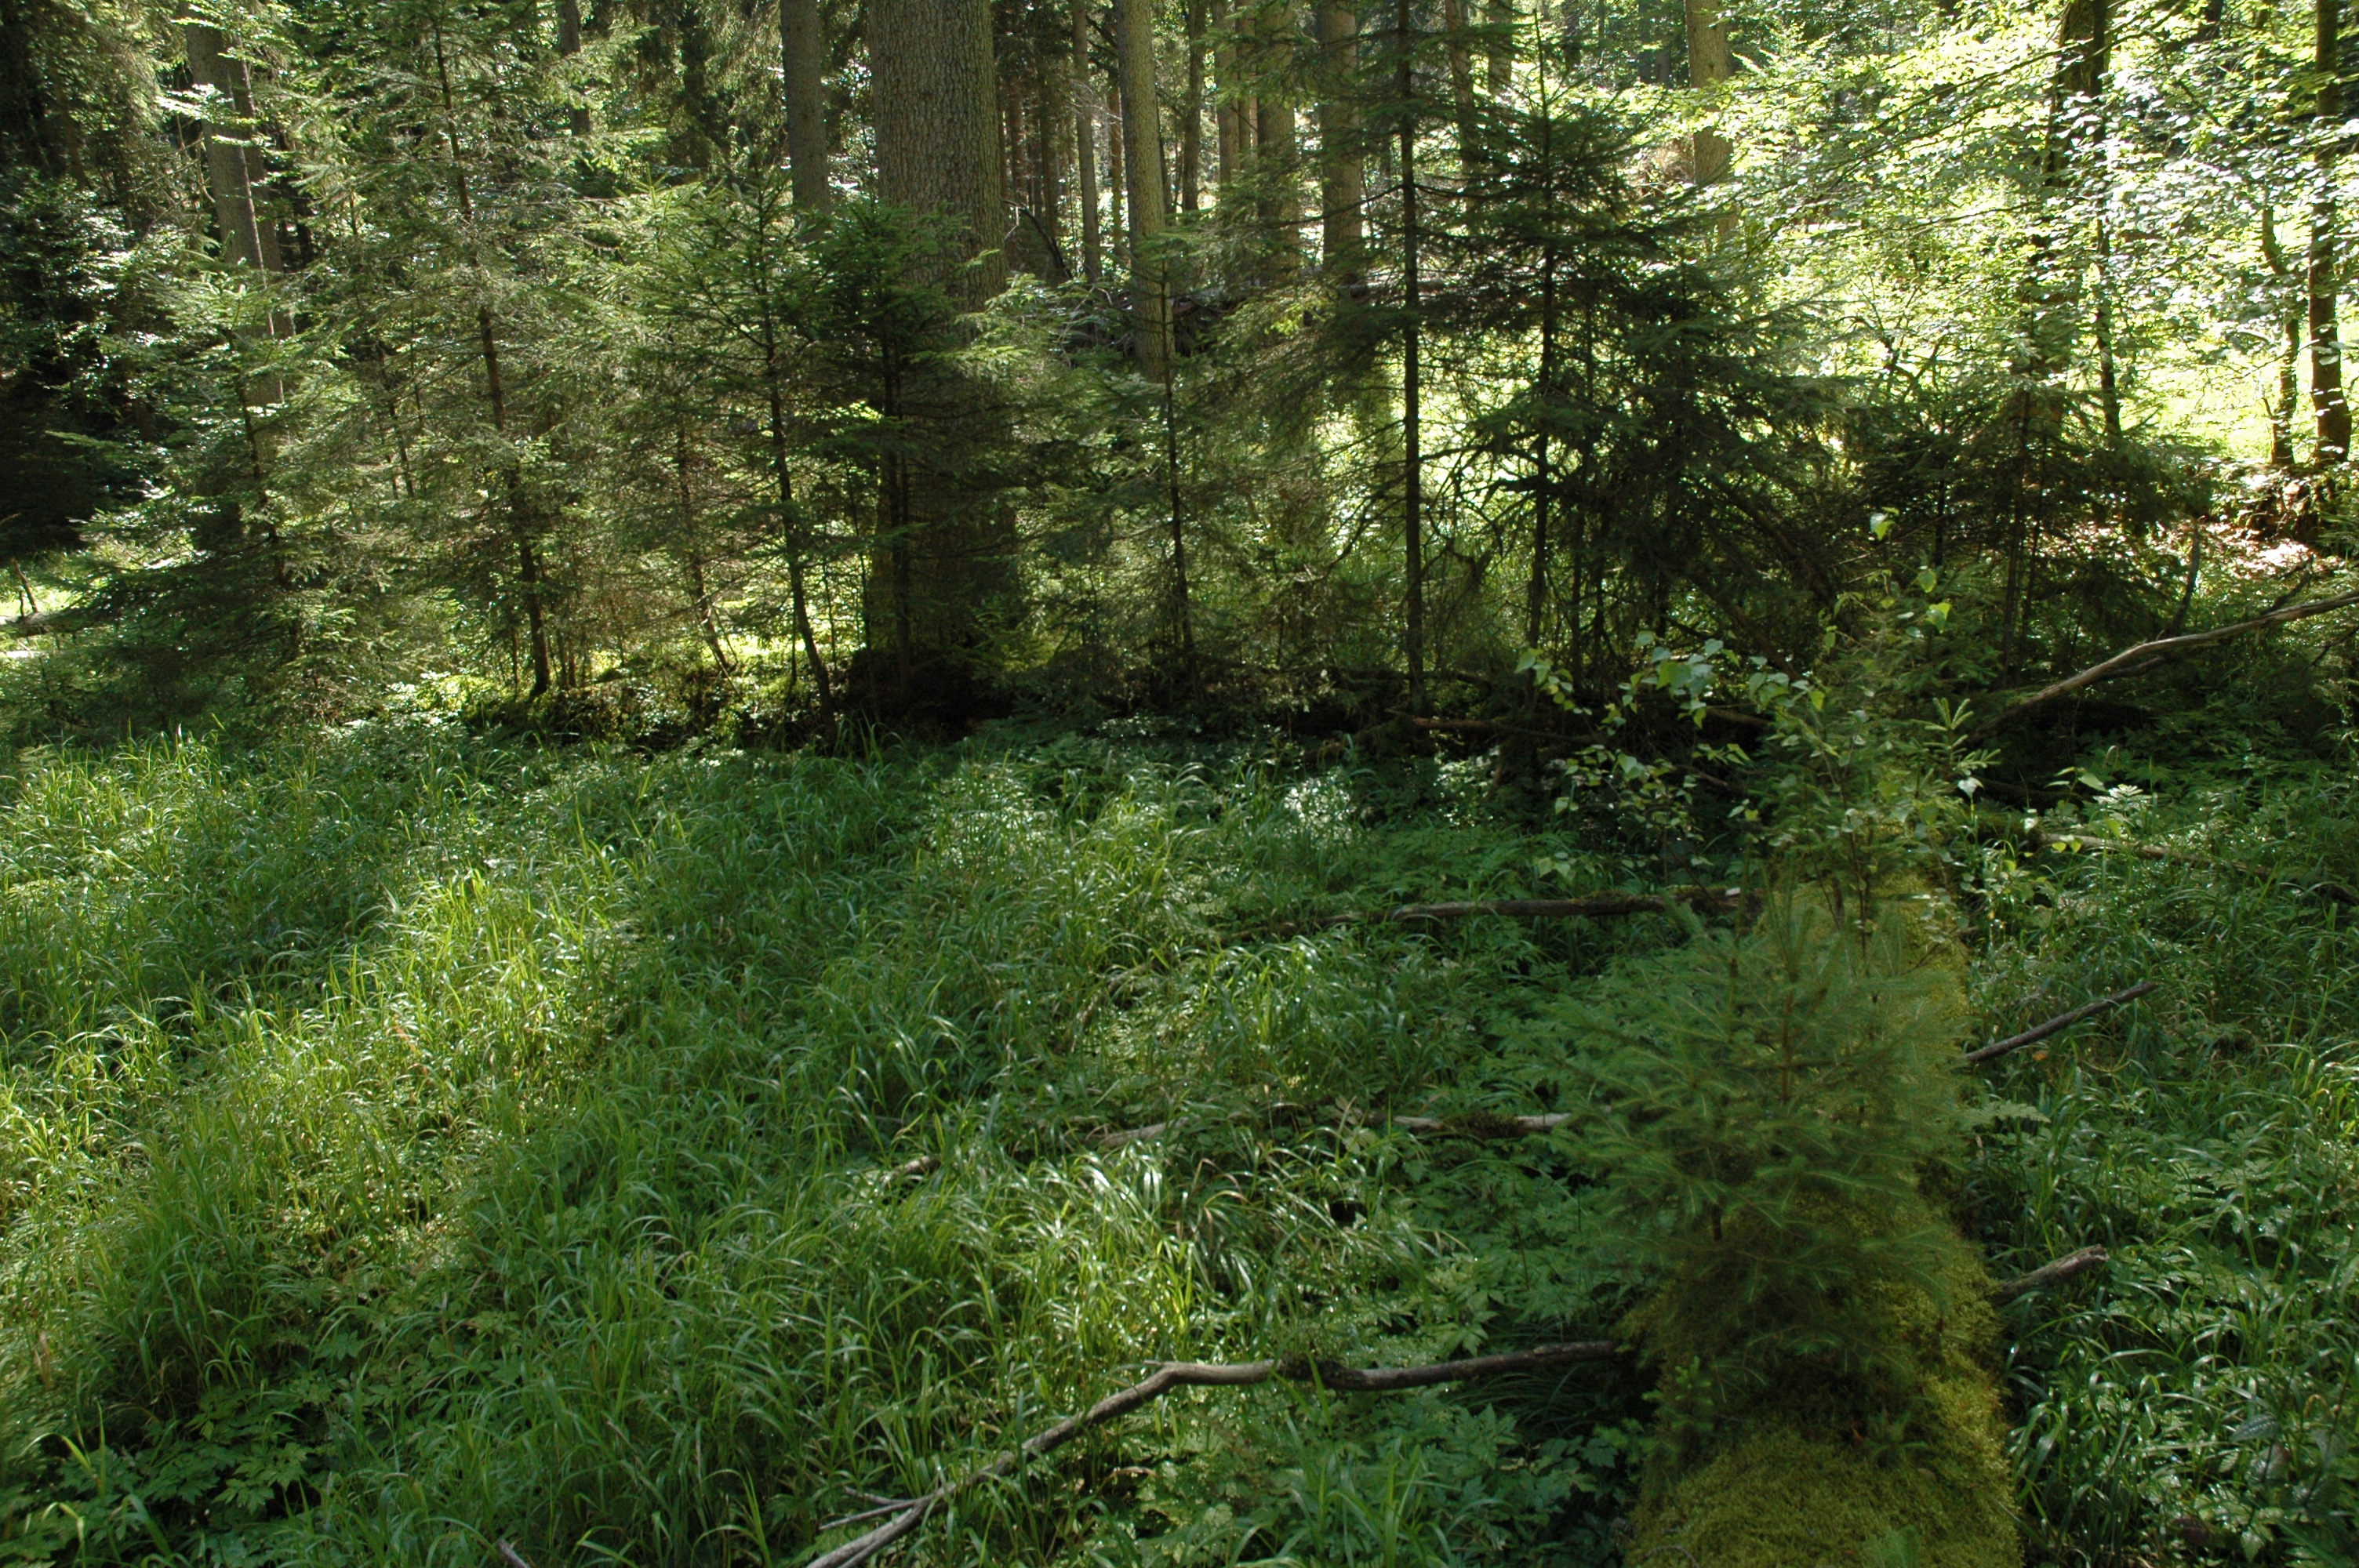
408	1144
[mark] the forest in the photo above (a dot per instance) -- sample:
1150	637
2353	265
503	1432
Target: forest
1166	782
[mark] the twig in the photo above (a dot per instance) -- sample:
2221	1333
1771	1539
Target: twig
1199	1374
2146	656
1996	1049
516	1559
923	1165
2054	1273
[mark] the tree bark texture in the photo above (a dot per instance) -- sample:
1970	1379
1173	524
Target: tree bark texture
937	97
1142	146
1708	70
803	48
1085	144
2326	398
1341	168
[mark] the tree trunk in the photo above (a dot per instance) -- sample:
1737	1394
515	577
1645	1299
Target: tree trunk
1086	144
1462	78
802	50
1274	154
569	44
1499	67
229	171
1142	146
1342	178
1228	122
1708	70
1192	115
2325	347
1412	462
2281	414
937	121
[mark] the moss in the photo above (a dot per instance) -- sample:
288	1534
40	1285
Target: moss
1828	1460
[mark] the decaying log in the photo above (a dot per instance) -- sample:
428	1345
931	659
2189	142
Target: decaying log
2146	656
906	1516
2039	1032
2055	1274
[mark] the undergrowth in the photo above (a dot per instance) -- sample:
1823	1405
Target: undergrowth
407	1146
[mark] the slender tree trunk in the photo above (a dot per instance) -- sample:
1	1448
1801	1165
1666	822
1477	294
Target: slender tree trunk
229	171
2281	414
1142	145
1708	72
1086	144
569	44
790	516
802	51
1228	122
1342	178
693	557
1456	46
1499	65
1192	115
1274	154
1412	461
529	574
2325	346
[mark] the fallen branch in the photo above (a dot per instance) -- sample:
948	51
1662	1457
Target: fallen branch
1704	900
1199	1374
2336	891
515	1558
2047	1274
2146	656
1475	1124
1996	1049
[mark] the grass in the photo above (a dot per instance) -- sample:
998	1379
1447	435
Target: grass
408	1144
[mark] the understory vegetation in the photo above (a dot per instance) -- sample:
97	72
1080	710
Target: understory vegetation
411	1143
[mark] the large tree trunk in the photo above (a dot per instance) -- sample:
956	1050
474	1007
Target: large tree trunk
1342	169
227	170
2325	346
1142	148
937	118
802	48
1191	114
1228	120
946	567
1276	155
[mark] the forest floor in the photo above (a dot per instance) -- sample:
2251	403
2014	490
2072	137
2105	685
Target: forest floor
408	1143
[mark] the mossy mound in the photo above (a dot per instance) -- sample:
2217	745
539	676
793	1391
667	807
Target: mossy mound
1898	1463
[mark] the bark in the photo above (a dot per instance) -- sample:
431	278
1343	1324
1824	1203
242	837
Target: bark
1142	146
2333	415
1412	462
1708	70
1455	45
230	170
1227	120
1086	144
1499	49
802	48
2290	367
1275	156
1342	177
569	44
1191	114
937	124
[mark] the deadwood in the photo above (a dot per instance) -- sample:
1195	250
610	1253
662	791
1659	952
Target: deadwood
2055	1274
2146	656
906	1516
1474	1124
1998	1048
1599	905
2336	893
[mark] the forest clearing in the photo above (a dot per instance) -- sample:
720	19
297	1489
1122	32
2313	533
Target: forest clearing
1177	782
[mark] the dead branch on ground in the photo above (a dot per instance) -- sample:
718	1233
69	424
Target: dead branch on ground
2055	1274
1996	1049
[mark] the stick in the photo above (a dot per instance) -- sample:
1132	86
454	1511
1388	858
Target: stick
1199	1374
1994	1051
2048	1274
2145	654
516	1559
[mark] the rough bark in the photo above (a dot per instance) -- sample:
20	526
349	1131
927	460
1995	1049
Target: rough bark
936	96
569	44
1228	123
1342	171
1191	114
227	170
1708	70
2334	413
1277	158
803	48
1085	144
1142	147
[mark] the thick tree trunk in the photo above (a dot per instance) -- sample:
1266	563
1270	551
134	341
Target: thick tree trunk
1192	115
1228	121
802	51
937	120
227	170
2325	346
1277	159
1142	146
1342	169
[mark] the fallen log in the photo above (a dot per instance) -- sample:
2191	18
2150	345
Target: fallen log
2335	892
1475	1124
2146	656
907	1515
2055	1274
1998	1048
